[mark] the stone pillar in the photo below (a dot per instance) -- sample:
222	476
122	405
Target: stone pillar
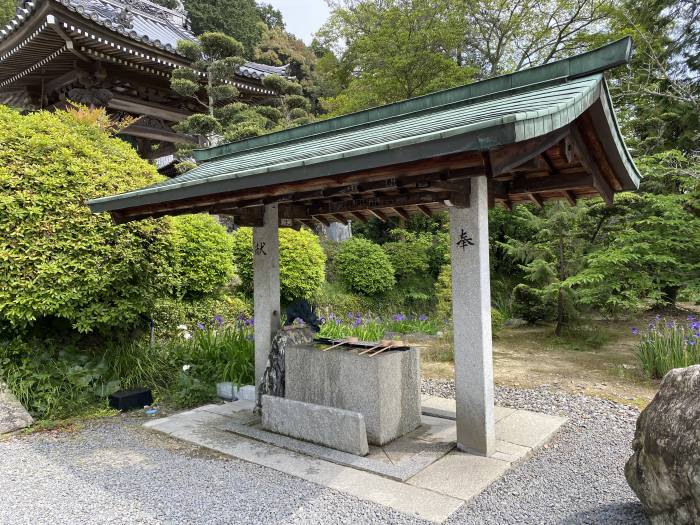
471	318
266	287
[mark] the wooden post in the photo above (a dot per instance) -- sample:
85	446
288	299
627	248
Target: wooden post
471	318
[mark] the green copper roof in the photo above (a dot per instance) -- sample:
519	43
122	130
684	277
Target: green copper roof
478	116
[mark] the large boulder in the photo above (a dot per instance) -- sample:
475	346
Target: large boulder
664	470
13	416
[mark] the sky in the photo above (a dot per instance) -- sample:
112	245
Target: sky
302	17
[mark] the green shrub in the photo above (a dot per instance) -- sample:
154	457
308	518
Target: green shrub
443	293
531	304
668	344
58	259
408	257
364	267
204	255
302	262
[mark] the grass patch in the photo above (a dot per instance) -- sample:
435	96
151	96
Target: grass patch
582	337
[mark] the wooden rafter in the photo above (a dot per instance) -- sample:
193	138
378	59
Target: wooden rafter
425	210
378	214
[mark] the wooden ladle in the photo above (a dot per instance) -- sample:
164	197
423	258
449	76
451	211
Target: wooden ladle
383	342
349	340
391	344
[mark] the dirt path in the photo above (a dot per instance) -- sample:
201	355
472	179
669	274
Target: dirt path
529	357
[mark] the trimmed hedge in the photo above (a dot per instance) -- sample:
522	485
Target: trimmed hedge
204	253
57	259
302	262
364	267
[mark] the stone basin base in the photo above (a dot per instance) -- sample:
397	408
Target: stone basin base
385	389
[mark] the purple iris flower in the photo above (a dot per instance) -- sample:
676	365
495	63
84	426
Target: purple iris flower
399	317
218	320
357	321
200	326
695	325
422	317
338	321
669	324
635	331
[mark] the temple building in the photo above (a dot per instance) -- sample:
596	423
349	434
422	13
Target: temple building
118	54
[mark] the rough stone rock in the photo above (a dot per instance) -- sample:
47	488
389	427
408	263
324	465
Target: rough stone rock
273	380
13	416
664	470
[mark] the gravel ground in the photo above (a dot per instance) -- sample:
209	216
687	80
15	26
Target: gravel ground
113	471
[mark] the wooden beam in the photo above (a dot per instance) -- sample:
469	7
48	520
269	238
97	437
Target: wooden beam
543	184
139	107
548	162
61	81
379	215
589	163
163	135
536	199
508	158
437	168
425	210
388	201
566	150
359	216
322	220
570	196
340	218
402	213
459	195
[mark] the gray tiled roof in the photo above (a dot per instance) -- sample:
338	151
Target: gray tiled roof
140	20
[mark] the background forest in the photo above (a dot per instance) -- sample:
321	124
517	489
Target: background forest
173	310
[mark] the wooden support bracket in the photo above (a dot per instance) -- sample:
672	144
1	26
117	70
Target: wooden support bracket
507	158
599	182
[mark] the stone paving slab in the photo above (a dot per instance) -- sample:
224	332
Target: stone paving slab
422	454
446	408
228	409
528	429
460	475
431	483
402	497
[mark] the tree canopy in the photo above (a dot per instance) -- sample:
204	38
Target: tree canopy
236	18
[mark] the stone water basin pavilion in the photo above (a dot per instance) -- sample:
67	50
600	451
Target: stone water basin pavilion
529	137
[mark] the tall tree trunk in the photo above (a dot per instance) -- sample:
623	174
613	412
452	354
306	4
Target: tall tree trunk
560	294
